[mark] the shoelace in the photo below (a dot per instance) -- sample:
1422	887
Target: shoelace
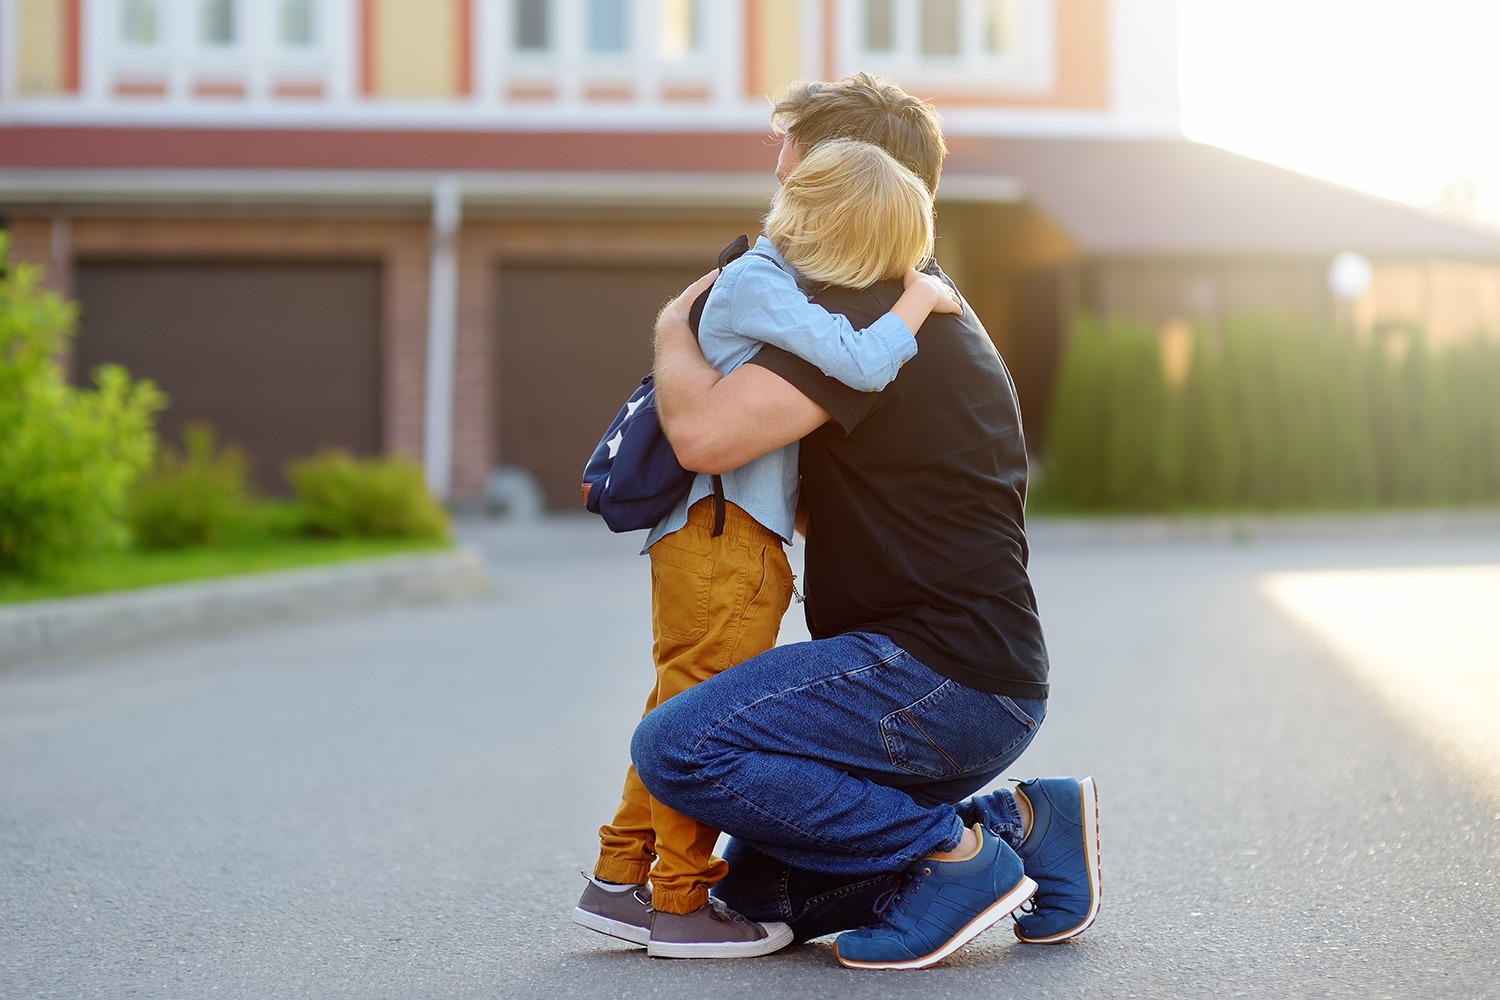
888	903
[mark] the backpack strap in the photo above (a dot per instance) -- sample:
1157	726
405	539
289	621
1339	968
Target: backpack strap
718	507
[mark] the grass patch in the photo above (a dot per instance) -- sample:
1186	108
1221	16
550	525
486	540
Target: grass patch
131	569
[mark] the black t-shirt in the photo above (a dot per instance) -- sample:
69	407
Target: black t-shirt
914	497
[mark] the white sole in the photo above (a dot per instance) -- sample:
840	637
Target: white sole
778	936
613	928
996	911
1089	799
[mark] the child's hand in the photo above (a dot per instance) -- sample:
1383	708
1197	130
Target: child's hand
944	299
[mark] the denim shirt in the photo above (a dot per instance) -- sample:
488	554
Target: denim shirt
755	302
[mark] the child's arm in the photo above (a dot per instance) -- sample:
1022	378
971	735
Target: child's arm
925	294
766	305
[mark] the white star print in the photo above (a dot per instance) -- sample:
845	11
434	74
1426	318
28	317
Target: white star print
614	443
632	405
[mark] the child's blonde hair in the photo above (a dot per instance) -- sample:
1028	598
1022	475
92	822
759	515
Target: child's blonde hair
850	215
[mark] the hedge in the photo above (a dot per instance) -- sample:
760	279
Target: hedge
1271	416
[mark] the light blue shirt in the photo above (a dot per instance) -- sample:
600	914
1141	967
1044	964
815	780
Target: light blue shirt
755	302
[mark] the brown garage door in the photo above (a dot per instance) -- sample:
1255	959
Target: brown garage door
281	358
571	344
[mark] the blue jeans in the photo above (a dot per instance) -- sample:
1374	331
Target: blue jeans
833	764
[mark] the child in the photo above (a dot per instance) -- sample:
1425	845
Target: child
848	215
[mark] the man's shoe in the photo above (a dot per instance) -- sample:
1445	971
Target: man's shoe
713	930
1061	851
625	914
937	907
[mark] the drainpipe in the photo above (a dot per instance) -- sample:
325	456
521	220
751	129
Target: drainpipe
442	321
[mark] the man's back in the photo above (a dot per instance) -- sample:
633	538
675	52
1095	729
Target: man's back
915	504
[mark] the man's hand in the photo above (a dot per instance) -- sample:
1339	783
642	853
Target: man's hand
677	310
718	423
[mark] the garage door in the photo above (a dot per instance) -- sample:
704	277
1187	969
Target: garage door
281	358
571	344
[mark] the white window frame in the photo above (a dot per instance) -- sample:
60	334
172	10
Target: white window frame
319	28
973	70
163	16
571	66
314	61
181	58
241	16
511	45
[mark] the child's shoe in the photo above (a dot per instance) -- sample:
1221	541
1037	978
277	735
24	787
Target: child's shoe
624	913
713	930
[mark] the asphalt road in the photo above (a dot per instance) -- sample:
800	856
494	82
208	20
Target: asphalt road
1300	797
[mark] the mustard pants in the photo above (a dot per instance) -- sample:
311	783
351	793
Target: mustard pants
714	602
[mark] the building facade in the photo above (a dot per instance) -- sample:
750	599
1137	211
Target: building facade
442	228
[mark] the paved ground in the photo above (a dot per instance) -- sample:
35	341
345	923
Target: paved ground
1297	744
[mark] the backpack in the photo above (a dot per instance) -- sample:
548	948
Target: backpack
633	478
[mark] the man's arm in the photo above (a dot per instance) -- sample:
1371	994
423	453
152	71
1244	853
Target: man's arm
718	423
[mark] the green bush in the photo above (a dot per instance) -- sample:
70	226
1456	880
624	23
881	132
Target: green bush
1077	423
1112	430
68	456
197	496
1273	416
1210	463
344	497
1140	446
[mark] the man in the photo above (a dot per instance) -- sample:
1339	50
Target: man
833	764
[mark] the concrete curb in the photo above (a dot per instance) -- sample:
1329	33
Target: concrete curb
43	630
1249	528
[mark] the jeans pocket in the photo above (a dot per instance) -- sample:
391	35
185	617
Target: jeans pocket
954	730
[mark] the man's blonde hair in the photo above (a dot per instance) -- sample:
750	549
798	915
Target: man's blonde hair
850	215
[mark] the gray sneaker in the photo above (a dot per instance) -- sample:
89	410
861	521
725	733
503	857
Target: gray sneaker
713	930
625	914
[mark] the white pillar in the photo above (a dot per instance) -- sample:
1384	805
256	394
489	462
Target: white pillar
442	322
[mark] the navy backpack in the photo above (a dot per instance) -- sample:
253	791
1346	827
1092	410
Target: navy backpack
633	478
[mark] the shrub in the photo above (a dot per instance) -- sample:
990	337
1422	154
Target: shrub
1274	416
344	497
1210	461
1112	429
68	456
194	497
1140	470
1077	422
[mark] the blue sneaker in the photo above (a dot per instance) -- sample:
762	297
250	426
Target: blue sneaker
1061	852
936	907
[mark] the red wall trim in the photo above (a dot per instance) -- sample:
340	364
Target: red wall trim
465	47
72	45
388	149
367	47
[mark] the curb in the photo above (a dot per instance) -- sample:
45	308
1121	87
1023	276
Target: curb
1249	528
44	630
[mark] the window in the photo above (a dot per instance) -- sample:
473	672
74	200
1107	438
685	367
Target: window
299	27
956	45
217	25
880	25
532	27
1000	30
940	27
139	27
681	27
607	29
